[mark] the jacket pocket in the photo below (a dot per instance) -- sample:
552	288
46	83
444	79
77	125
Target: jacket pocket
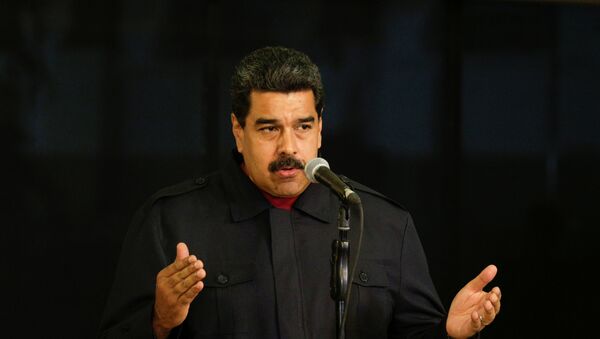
227	301
371	301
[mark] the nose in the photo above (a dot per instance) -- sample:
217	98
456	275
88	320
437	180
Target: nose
287	142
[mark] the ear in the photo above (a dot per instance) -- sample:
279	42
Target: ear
320	129
238	133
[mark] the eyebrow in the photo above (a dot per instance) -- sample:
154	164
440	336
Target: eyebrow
309	119
264	121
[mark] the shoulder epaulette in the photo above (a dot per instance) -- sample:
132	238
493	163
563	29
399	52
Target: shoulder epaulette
360	187
180	188
169	191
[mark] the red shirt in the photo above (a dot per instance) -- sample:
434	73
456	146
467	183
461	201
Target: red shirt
278	202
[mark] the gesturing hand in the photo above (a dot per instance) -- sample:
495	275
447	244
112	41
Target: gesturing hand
472	308
176	287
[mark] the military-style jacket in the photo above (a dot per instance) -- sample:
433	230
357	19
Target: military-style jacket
268	269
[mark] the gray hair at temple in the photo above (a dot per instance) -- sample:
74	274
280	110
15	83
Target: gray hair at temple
276	69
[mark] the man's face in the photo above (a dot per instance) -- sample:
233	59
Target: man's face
282	133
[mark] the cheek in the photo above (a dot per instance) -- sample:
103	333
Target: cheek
261	154
315	143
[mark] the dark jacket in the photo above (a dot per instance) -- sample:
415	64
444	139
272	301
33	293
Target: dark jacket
268	270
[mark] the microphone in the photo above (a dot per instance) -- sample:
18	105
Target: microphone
317	171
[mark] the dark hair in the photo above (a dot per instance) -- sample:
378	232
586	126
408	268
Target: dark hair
277	69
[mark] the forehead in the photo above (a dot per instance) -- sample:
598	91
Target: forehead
281	104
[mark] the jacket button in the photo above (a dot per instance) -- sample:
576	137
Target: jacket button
223	279
363	277
200	181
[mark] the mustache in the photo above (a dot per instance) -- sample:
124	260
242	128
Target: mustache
285	161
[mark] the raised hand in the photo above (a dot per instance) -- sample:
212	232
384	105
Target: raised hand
176	287
472	308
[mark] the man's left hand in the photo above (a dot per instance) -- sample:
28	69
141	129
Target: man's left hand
472	308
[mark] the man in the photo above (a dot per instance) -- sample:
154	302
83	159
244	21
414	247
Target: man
251	243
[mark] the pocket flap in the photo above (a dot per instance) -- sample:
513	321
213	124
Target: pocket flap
227	274
371	273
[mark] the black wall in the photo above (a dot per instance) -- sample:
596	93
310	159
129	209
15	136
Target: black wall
481	117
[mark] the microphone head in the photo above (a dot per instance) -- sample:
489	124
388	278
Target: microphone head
312	166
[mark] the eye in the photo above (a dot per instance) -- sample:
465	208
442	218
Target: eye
305	127
268	129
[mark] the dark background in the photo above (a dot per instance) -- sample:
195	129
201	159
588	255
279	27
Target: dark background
482	118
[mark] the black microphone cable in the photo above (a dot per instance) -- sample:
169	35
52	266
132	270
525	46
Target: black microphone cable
359	209
351	200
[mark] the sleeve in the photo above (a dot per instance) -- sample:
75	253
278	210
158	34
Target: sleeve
418	311
128	311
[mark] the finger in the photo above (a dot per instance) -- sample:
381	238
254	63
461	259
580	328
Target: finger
182	251
476	321
185	272
494	298
496	291
177	265
488	314
490	311
483	320
184	285
483	278
191	293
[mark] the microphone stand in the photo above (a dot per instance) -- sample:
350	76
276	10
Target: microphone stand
339	260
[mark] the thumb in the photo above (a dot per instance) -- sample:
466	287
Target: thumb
182	251
483	278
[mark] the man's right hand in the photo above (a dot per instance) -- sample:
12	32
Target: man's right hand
176	287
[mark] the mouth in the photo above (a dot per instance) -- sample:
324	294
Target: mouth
287	172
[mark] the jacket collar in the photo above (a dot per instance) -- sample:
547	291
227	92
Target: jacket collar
318	202
246	201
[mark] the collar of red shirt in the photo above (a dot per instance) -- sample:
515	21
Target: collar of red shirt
279	202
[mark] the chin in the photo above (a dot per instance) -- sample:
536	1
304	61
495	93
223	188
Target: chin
291	189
